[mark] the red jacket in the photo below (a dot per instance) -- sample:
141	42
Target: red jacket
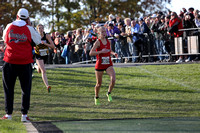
180	26
18	38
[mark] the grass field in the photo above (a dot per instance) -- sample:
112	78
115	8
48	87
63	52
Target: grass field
140	92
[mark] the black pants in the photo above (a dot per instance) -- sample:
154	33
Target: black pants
10	74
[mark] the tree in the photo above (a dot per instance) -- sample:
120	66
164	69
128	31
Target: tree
99	9
9	9
64	15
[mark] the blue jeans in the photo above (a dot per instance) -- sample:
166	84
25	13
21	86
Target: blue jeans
66	54
118	50
125	50
135	53
159	48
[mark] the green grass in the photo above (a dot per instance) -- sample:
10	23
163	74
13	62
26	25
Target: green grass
140	92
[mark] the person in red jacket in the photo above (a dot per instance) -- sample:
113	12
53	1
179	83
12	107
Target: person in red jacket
175	24
19	38
102	51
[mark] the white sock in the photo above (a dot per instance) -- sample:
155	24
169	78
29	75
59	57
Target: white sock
24	115
8	115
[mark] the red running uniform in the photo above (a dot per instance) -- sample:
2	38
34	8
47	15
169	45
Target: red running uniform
103	60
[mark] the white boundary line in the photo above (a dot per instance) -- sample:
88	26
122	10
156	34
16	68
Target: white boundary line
168	79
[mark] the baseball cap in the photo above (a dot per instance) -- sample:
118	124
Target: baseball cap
93	23
23	13
110	24
153	16
141	19
111	16
98	25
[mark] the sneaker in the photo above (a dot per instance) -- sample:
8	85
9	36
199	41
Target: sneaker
25	119
196	59
6	118
109	97
126	60
96	101
187	60
49	89
179	60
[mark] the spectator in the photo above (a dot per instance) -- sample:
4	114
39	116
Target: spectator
87	45
66	53
156	32
78	42
143	33
111	19
51	51
123	42
111	31
118	20
197	21
169	41
57	48
19	37
135	27
175	24
127	22
191	13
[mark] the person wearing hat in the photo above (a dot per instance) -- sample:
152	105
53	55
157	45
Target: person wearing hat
111	19
19	37
92	30
144	30
111	31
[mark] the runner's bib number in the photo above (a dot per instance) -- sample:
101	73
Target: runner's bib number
105	60
43	52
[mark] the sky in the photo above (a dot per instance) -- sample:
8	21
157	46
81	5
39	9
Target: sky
177	5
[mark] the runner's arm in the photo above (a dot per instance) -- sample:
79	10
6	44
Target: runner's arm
93	51
51	45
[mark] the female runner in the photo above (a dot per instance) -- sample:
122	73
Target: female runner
42	54
102	51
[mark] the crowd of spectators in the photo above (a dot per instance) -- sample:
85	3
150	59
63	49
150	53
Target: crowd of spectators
144	39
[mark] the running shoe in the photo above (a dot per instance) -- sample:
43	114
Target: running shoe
49	89
25	119
109	97
6	118
96	101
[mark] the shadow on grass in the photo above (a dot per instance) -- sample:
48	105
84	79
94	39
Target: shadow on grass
61	71
156	101
120	86
72	82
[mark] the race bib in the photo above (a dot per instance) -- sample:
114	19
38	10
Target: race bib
105	60
43	52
